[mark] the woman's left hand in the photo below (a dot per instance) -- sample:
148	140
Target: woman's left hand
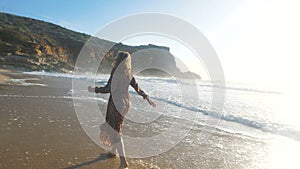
91	89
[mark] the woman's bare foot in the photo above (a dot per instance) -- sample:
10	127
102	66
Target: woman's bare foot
113	152
123	165
110	154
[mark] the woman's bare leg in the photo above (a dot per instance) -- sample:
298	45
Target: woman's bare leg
113	152
121	151
114	149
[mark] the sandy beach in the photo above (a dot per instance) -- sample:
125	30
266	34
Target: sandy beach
40	129
3	77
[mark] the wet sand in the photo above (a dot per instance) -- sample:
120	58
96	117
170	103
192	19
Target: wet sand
3	77
40	129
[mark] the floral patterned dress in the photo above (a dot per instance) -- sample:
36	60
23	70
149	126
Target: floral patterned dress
117	108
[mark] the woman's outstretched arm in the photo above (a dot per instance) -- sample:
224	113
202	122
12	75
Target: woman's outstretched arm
137	88
105	89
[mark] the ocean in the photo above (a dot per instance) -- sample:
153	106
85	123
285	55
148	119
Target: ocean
247	111
256	128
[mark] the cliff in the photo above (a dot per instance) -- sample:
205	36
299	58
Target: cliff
34	45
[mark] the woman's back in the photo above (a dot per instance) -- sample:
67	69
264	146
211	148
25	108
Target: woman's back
120	80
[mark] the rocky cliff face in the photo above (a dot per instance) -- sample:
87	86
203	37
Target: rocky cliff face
35	45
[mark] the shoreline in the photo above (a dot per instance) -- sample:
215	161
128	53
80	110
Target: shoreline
40	129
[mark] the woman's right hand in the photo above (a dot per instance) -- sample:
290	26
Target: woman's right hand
91	89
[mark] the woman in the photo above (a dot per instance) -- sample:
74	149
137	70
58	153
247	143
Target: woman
118	104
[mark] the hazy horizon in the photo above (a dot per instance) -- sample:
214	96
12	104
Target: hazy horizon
255	40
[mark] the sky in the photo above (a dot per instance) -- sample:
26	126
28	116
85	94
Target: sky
257	41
